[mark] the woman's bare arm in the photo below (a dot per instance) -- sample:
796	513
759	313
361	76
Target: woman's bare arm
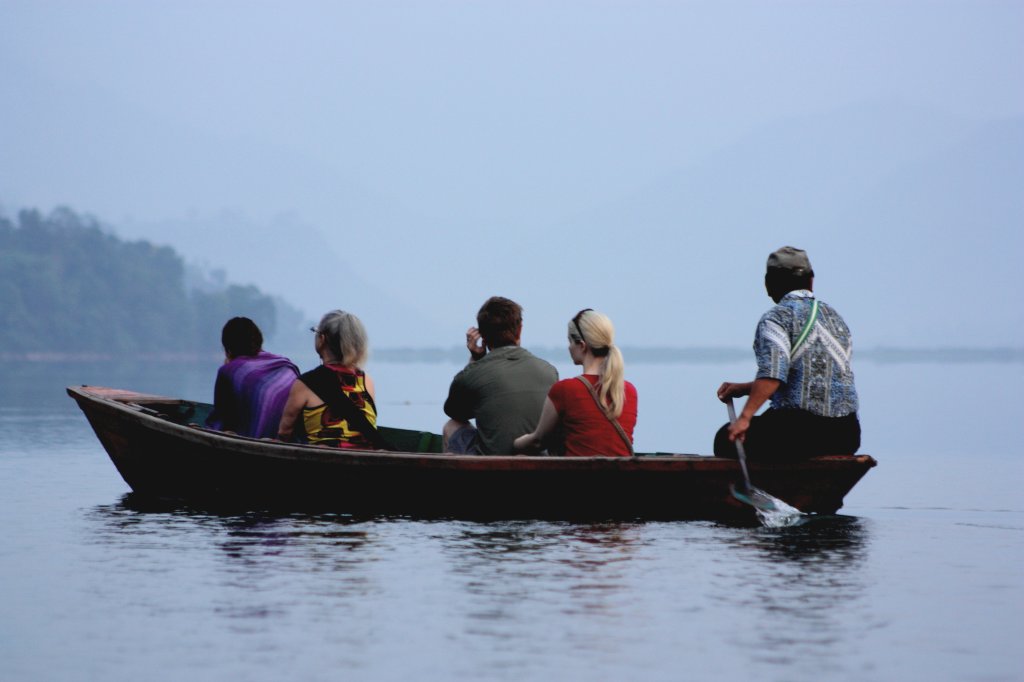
297	398
548	422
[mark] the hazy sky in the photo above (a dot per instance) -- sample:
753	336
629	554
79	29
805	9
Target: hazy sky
637	157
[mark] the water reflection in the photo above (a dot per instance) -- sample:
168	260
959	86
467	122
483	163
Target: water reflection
244	538
804	584
257	550
785	597
515	547
526	577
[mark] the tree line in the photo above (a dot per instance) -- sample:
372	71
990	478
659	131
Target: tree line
68	286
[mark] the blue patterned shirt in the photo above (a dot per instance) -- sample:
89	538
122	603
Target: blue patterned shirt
817	377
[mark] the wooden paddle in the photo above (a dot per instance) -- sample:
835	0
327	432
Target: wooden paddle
755	497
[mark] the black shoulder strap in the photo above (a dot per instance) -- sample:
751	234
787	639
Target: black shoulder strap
324	383
615	422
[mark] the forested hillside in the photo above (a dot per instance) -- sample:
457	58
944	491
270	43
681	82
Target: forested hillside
69	287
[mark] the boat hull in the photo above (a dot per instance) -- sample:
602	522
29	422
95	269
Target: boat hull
161	458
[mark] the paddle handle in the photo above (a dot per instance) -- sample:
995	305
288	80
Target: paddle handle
739	444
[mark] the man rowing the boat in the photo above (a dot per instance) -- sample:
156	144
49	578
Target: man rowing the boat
803	350
503	387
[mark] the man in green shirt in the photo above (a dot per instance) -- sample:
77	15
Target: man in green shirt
503	387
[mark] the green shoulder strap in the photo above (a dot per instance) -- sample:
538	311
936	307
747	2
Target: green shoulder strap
811	319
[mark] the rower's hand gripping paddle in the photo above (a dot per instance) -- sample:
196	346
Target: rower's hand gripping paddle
755	497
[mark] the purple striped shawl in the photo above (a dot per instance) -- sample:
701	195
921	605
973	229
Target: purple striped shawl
250	393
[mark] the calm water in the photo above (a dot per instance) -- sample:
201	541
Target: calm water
920	579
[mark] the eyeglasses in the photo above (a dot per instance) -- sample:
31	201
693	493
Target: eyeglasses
314	330
576	322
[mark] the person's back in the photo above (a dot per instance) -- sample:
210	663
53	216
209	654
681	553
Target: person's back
587	429
334	404
803	350
597	410
817	374
339	387
503	389
252	385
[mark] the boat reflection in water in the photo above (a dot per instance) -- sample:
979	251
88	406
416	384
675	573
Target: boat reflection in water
499	588
805	585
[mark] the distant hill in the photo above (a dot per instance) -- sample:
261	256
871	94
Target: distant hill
316	269
69	287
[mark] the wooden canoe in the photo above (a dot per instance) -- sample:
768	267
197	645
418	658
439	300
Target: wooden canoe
160	450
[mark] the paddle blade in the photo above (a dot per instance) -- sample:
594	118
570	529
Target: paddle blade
755	497
772	512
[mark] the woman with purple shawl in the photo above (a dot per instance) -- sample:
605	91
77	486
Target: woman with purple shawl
252	385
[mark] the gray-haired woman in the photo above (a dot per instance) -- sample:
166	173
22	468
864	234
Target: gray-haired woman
335	400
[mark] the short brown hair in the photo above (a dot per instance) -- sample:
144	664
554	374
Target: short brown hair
499	321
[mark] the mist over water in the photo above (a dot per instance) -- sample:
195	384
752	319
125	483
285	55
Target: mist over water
405	162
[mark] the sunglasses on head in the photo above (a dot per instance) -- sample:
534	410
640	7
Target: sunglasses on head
576	322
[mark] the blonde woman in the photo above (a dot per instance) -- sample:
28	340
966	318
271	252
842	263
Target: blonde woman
597	411
336	400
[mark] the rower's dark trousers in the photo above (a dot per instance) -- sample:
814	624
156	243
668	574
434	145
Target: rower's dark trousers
793	434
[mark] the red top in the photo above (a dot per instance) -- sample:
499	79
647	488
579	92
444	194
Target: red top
587	430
